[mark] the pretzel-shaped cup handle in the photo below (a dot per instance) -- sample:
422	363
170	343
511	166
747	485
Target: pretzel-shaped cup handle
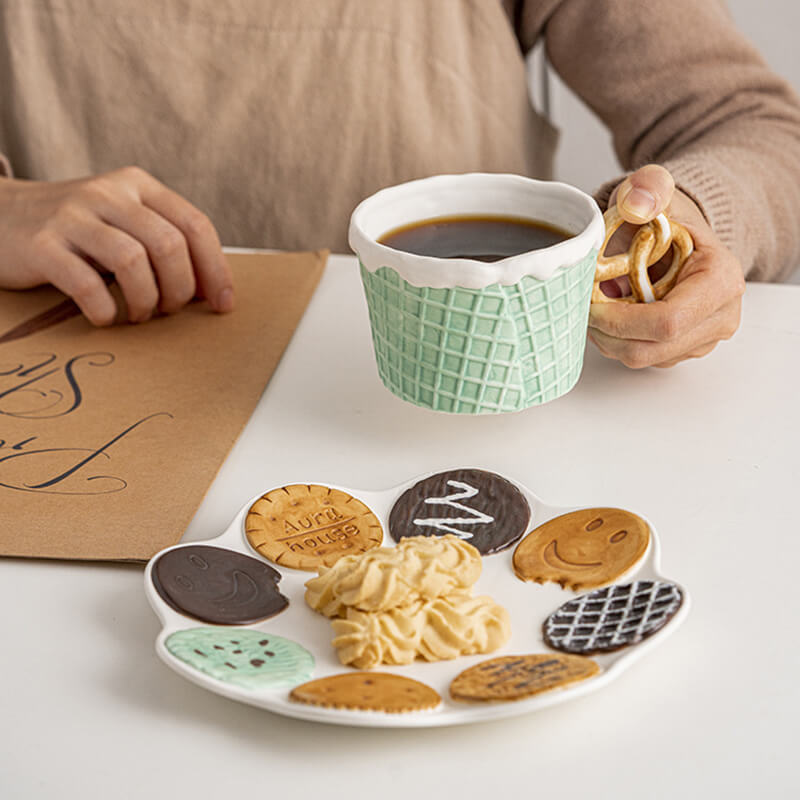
648	246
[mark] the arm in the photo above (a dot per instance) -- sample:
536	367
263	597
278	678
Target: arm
678	85
703	308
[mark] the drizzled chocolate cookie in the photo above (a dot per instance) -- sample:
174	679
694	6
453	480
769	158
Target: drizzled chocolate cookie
516	677
478	506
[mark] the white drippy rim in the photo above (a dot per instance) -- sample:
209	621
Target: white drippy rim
476	193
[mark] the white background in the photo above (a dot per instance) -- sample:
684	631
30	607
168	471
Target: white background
707	451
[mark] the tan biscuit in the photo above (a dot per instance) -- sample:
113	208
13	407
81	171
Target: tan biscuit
420	567
583	549
306	526
367	691
516	677
436	630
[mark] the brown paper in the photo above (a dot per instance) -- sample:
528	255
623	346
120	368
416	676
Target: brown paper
110	437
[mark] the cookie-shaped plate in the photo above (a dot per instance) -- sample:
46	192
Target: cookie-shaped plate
306	526
247	658
608	619
516	677
234	662
368	691
479	506
583	549
217	585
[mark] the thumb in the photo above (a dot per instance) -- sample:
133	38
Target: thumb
643	195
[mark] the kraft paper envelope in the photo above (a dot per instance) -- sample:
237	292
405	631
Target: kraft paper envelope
110	437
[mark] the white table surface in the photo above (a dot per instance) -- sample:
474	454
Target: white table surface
708	451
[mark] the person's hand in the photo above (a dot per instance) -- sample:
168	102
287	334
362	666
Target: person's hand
704	306
161	250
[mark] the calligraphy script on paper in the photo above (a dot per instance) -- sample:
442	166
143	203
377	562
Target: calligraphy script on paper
111	437
46	386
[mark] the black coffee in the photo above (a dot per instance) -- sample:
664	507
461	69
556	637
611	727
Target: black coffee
483	238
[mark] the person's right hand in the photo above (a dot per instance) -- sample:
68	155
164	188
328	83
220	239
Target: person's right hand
701	310
161	250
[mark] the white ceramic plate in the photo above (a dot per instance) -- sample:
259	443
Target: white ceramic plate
528	604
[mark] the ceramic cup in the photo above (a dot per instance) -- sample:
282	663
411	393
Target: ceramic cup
470	337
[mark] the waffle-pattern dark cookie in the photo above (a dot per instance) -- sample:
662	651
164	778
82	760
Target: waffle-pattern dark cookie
611	618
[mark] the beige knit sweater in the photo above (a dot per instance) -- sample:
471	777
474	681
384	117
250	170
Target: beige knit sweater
277	116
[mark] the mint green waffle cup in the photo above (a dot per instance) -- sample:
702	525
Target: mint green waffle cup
480	351
468	337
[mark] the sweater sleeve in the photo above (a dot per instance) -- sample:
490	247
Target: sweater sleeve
678	85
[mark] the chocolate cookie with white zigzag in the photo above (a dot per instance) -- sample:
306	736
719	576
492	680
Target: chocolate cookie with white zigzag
611	618
478	506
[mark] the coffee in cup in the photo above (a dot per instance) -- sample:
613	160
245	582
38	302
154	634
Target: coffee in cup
465	331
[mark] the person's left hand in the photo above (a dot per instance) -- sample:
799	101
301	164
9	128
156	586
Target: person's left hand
704	306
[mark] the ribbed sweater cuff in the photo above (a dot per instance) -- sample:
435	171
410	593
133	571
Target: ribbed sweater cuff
702	187
693	178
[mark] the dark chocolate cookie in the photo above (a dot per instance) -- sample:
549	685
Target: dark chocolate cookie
611	618
480	507
216	585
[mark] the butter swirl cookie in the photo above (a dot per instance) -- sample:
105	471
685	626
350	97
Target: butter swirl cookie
436	630
418	568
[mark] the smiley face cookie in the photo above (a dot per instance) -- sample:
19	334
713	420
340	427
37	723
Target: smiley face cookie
368	691
583	549
247	658
478	506
306	526
217	585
